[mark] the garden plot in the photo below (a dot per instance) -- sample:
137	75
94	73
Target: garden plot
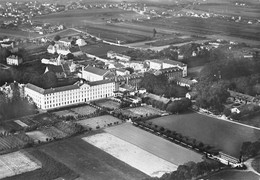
84	110
38	136
131	154
65	113
141	111
100	121
108	104
53	132
16	163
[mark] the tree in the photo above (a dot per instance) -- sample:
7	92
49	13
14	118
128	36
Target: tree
154	32
57	38
49	80
70	56
131	70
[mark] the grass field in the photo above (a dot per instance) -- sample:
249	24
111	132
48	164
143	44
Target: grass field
16	163
89	161
156	145
100	122
65	113
84	110
37	136
222	134
107	103
256	164
141	111
131	154
233	175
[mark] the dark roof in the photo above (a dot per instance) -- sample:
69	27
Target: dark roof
173	62
74	49
94	83
95	70
51	90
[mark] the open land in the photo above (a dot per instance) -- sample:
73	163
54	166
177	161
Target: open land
107	103
256	164
234	174
131	154
98	122
156	145
17	163
89	161
141	111
224	135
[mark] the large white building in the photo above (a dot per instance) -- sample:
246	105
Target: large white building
91	73
164	64
77	93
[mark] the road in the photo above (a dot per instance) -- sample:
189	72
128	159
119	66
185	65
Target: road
248	164
3	66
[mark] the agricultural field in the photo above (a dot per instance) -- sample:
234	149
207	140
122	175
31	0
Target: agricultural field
224	135
17	163
131	154
50	168
141	111
99	122
53	132
89	161
158	146
107	103
233	174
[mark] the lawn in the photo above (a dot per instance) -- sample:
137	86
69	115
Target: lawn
100	122
256	164
107	103
37	136
222	134
141	111
233	175
131	154
65	113
89	161
156	145
84	110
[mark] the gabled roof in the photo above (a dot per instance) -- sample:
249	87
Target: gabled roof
173	62
95	83
159	98
94	70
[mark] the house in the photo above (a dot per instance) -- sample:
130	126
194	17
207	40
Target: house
121	57
58	70
14	60
240	97
191	95
60	49
122	72
56	61
91	73
81	42
159	98
165	64
235	110
65	42
184	82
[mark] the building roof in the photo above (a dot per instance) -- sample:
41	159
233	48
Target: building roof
51	90
159	98
172	62
95	83
94	70
187	81
65	40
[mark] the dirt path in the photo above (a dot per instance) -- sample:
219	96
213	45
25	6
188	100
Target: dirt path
248	164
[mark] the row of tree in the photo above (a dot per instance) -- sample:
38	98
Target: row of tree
191	170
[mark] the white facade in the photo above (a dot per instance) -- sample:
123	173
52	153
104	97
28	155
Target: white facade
14	60
121	57
157	65
81	42
74	94
55	62
58	49
90	73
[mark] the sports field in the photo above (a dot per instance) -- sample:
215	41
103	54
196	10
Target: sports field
221	134
131	154
107	103
17	163
89	161
156	145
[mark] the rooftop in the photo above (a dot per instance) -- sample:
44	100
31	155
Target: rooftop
95	70
95	83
